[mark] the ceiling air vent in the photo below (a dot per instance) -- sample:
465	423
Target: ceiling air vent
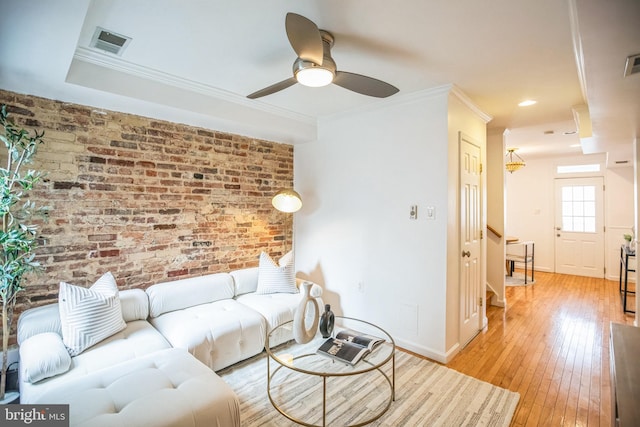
633	65
109	41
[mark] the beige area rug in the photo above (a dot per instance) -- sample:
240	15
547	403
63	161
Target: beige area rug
427	394
518	280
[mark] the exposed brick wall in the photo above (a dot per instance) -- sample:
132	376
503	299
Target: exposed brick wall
148	200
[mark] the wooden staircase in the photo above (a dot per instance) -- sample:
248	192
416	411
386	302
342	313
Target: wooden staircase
488	297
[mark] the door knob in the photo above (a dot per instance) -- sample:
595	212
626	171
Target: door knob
558	228
466	253
558	235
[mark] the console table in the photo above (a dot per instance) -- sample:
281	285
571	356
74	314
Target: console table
625	375
625	254
525	254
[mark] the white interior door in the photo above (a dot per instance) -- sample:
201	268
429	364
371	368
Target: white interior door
470	243
579	229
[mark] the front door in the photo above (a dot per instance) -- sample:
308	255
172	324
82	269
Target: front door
470	243
579	229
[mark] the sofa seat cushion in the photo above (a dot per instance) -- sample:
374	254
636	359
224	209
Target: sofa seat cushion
276	309
136	340
166	388
218	334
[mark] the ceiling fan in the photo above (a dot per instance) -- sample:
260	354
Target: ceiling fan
314	66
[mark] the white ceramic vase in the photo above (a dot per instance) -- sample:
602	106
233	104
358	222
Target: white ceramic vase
301	333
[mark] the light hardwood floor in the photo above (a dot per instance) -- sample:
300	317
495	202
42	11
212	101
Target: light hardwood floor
551	345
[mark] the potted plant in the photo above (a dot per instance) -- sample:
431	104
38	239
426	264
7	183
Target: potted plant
628	238
18	237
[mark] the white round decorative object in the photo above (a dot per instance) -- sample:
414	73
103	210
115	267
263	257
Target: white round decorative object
301	333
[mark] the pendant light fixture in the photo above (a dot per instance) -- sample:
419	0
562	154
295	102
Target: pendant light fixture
512	164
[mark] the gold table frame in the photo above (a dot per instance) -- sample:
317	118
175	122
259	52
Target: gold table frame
361	367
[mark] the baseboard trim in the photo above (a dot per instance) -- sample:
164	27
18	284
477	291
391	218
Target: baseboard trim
423	351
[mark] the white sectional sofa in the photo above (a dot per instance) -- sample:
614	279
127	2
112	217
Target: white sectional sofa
201	316
160	369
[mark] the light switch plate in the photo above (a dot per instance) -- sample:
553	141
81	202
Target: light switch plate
431	212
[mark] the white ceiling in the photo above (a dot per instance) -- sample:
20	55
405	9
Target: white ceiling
195	61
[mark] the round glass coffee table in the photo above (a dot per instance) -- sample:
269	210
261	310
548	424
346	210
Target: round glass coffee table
315	389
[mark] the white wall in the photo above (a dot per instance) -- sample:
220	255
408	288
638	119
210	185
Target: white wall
619	216
353	233
496	215
529	208
530	204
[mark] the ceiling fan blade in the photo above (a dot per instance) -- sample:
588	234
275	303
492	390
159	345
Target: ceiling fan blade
304	37
364	85
273	88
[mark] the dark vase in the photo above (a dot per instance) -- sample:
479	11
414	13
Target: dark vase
326	322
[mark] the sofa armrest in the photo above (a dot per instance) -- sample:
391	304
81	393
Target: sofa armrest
43	356
316	290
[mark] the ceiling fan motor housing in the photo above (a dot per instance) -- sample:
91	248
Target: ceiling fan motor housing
327	61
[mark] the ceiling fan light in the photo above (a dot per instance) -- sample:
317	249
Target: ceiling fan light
314	76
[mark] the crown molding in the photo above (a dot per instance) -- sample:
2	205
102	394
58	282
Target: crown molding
412	97
118	64
455	90
393	101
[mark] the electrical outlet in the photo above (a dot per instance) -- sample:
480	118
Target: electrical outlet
413	212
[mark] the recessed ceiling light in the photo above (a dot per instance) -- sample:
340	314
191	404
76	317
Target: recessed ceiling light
526	103
575	145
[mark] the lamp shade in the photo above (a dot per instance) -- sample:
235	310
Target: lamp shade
287	200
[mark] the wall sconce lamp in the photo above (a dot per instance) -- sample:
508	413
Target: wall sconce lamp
511	164
287	200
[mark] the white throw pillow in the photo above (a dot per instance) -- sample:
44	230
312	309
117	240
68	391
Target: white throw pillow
43	356
89	315
274	278
286	259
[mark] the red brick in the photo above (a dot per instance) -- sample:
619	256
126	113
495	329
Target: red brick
136	187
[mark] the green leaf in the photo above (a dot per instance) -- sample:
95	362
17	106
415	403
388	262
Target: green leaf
18	234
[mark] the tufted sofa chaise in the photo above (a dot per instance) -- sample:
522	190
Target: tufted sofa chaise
160	369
